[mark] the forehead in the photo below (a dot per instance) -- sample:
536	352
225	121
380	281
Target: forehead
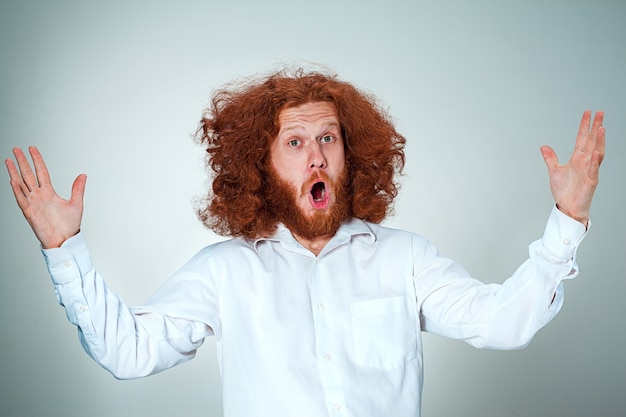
312	112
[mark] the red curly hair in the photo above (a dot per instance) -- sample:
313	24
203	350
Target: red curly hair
241	123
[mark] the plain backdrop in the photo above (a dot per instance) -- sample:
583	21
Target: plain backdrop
115	90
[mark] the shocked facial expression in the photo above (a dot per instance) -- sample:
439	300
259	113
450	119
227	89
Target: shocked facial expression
308	154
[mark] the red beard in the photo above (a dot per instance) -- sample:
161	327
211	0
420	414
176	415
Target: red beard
281	198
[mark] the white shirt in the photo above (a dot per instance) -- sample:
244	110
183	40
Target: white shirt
300	335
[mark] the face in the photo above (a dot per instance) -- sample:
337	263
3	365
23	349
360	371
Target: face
308	161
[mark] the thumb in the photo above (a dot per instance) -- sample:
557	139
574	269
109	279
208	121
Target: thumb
78	189
549	156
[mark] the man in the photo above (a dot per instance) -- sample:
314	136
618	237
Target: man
316	309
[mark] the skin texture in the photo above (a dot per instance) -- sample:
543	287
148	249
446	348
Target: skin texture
54	219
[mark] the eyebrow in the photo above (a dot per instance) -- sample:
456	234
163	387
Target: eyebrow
326	126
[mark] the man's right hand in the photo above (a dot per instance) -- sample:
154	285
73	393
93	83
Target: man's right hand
52	218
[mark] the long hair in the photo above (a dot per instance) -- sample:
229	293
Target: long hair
242	121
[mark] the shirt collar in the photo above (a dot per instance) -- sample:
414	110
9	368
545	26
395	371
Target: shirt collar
348	229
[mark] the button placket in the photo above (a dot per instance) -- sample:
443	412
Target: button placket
325	343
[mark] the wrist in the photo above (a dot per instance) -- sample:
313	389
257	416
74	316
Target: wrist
581	218
56	242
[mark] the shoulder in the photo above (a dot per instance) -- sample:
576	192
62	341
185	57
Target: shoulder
400	241
221	253
390	234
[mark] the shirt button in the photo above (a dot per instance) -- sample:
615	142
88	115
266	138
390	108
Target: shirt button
328	357
81	308
321	307
566	242
336	407
67	264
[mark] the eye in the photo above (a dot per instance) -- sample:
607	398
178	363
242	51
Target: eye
294	142
327	139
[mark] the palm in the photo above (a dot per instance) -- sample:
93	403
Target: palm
52	218
573	184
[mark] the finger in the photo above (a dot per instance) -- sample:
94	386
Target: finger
594	143
26	174
594	167
549	156
583	131
16	184
597	120
43	177
13	174
600	146
20	197
591	143
16	178
78	189
597	156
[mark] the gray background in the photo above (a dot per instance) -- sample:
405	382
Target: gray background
115	89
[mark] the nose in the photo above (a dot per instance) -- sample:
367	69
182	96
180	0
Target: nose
316	156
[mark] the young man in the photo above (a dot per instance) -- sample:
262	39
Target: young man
316	309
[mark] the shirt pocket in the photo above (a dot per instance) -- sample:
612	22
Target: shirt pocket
384	331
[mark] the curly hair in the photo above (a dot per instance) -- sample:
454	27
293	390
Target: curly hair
242	121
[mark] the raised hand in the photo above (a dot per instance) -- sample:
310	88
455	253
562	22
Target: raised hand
52	218
574	183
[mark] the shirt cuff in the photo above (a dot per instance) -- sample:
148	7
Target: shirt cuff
563	235
69	262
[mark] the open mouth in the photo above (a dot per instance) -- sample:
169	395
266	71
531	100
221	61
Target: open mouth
318	192
319	196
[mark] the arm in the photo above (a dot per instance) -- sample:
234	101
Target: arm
128	342
508	316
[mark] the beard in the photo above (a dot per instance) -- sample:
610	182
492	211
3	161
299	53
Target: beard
282	199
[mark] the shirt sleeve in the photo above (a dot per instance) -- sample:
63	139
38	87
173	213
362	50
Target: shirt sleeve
507	315
127	342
